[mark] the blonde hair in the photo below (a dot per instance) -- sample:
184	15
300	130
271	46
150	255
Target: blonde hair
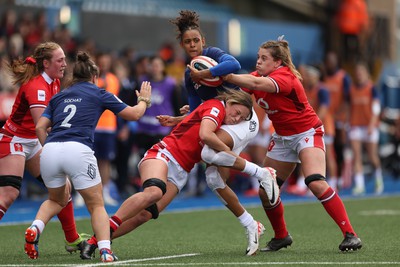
238	97
24	70
280	51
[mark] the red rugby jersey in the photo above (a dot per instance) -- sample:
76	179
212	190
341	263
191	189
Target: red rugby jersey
184	141
35	93
287	108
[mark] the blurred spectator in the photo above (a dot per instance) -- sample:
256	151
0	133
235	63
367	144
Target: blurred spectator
106	130
163	99
8	24
338	82
125	139
353	21
365	110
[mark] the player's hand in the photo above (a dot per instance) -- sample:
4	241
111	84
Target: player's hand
184	110
145	90
167	120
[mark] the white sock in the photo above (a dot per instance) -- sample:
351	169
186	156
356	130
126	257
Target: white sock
253	169
245	219
378	174
104	244
40	225
359	180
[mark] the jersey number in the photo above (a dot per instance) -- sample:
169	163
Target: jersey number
72	110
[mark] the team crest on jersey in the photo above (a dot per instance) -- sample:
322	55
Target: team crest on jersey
41	94
18	147
252	126
215	111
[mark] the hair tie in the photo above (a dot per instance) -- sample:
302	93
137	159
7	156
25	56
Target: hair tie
30	60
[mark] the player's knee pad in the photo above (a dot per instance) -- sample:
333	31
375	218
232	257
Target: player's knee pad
313	177
40	179
221	158
153	209
11	180
155	182
214	179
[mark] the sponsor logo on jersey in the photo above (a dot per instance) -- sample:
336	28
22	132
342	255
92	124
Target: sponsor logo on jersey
41	95
215	111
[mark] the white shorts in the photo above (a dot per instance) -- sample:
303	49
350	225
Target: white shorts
287	148
360	133
74	159
243	132
262	138
15	145
176	174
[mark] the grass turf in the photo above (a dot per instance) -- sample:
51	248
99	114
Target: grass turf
215	238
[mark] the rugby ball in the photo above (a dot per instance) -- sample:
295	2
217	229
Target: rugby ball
202	63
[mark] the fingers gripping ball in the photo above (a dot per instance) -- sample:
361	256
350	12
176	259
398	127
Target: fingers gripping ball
202	63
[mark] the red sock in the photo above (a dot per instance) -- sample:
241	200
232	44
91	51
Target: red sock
3	211
115	222
66	217
335	208
92	240
275	216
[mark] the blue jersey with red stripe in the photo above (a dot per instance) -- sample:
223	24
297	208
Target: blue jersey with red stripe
197	93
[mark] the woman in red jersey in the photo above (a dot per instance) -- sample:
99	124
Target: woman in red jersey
39	77
298	138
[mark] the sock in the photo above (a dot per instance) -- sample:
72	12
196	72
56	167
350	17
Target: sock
39	224
378	174
104	244
115	222
245	219
275	216
92	240
359	180
3	211
250	168
335	208
67	219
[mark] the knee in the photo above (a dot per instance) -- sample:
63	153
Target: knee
10	186
155	188
214	179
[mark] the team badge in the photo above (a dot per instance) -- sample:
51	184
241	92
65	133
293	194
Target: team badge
91	171
252	126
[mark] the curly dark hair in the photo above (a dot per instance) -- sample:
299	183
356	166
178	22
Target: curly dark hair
187	20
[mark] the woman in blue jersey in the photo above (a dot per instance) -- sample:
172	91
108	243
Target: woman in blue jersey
68	149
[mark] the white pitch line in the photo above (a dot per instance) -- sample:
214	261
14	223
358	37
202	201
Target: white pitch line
139	260
129	263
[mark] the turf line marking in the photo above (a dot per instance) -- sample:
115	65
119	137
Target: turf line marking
129	263
140	260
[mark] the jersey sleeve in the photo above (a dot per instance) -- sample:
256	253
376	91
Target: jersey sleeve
36	94
112	102
214	110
